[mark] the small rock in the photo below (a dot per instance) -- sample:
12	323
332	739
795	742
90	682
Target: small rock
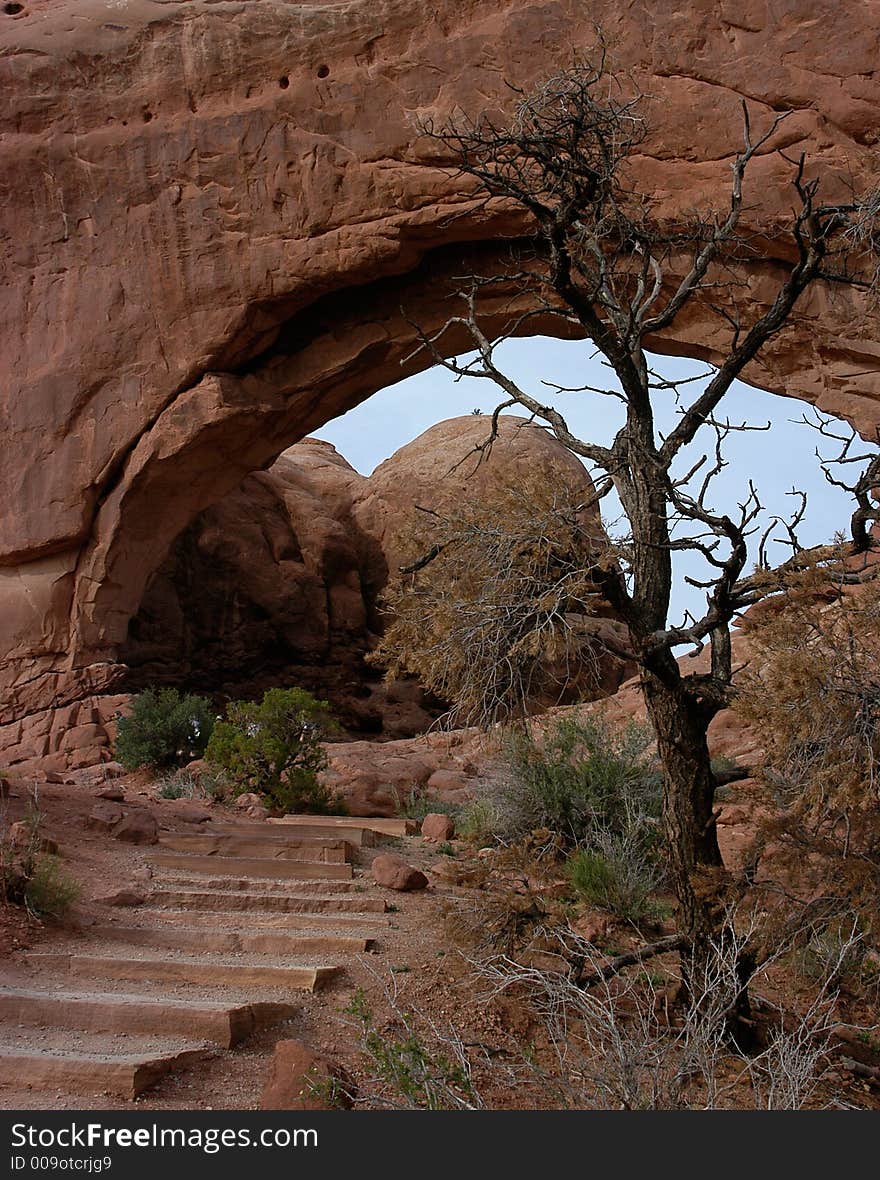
21	835
252	805
456	873
591	926
191	813
392	872
437	826
137	827
248	799
104	816
447	782
735	813
299	1079
114	794
123	897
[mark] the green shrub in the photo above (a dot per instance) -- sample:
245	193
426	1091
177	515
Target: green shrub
49	891
274	748
32	878
618	874
175	786
584	775
408	1072
835	952
164	729
183	784
481	819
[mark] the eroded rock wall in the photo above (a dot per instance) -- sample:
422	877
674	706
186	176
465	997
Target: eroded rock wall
280	582
212	214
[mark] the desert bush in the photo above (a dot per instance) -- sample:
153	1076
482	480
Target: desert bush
584	775
480	819
17	860
49	890
812	686
214	784
634	1039
164	729
812	691
836	951
616	1045
506	612
180	785
617	872
274	748
597	791
184	784
13	881
32	878
408	1072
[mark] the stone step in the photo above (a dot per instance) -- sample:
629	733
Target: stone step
234	942
186	899
181	970
359	837
223	1024
253	867
125	1075
333	823
249	923
172	879
324	851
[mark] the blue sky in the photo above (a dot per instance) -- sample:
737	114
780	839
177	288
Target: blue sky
776	460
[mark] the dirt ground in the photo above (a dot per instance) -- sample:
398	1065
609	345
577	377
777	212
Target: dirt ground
416	965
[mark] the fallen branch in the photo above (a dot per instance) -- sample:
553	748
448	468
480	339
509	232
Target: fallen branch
860	1069
672	942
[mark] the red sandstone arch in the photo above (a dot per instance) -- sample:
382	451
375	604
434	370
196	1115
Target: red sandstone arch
202	265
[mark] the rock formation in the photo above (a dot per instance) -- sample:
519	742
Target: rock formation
212	215
279	582
268	586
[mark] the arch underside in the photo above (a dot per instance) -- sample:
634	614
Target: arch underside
320	363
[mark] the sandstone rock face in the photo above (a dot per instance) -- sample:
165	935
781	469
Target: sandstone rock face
378	778
276	584
279	582
265	587
213	214
440	471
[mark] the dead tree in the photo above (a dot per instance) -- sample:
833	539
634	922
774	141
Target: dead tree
602	263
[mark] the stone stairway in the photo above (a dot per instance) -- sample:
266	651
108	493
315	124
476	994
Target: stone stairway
240	920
